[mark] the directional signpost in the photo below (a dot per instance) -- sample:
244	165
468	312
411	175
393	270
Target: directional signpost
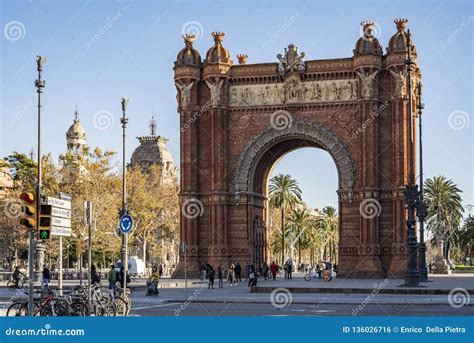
60	216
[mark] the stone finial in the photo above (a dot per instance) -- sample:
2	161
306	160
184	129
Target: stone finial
401	23
218	36
242	58
368	27
189	39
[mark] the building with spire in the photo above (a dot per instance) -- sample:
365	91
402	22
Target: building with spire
76	145
153	151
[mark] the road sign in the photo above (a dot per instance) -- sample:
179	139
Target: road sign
64	204
61	213
126	224
62	222
61	231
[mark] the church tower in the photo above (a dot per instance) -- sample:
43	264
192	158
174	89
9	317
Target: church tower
76	145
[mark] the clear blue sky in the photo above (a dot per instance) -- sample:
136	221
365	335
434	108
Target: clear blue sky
137	41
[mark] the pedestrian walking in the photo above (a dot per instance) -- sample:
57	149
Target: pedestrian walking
274	269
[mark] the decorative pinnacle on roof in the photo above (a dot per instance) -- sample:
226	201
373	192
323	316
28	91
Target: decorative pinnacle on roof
153	126
218	37
189	39
368	26
242	58
76	115
401	23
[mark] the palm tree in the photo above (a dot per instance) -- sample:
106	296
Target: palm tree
329	225
444	209
284	194
300	222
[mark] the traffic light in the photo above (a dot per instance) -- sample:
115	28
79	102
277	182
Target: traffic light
44	228
29	210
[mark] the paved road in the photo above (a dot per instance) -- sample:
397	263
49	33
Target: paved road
238	300
253	309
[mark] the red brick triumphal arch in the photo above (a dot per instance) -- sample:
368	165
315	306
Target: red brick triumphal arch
238	120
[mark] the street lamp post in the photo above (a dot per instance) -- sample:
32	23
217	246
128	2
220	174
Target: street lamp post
39	84
412	276
421	206
124	121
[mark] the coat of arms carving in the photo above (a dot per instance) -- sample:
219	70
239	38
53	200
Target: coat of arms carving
292	60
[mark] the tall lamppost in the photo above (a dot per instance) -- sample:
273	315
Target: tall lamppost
412	276
39	84
124	121
420	205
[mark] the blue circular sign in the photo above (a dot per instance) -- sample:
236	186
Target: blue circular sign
126	223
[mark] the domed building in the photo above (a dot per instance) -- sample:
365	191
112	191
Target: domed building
153	151
76	139
368	44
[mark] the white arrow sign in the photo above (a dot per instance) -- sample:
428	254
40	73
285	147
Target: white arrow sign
55	202
61	231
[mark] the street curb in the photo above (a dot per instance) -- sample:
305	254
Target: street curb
356	290
309	302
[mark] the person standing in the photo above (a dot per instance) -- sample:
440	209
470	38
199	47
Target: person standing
238	272
211	274
290	269
112	278
274	269
160	270
220	276
247	271
46	276
231	275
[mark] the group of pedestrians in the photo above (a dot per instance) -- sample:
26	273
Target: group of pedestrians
233	274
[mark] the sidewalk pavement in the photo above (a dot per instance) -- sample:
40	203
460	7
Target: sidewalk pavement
438	284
